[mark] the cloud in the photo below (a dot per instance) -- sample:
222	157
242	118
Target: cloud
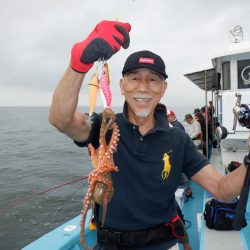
37	37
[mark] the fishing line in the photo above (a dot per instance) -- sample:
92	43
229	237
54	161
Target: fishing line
27	198
65	200
80	187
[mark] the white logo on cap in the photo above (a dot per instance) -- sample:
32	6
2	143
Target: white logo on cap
146	60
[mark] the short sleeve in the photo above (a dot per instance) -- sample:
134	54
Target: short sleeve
194	161
94	133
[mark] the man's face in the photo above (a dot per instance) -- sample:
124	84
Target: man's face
171	118
189	120
143	89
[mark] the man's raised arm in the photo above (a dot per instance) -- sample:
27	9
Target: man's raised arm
102	43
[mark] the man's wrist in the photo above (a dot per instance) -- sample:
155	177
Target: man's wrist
78	71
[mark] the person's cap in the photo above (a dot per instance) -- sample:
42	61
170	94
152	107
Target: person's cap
196	111
170	112
145	59
188	116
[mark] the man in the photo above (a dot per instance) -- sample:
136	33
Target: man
173	120
143	205
201	119
193	129
211	109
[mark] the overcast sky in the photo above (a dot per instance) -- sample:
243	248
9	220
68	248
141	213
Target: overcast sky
37	36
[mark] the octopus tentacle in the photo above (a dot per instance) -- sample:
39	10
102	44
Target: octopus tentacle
93	154
100	183
113	141
105	202
86	203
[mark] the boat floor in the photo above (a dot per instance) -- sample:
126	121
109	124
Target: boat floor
203	238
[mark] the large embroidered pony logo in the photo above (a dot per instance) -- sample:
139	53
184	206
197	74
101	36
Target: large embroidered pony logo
167	166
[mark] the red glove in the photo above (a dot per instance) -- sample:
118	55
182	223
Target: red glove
104	41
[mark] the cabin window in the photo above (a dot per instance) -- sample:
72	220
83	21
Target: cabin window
226	76
244	74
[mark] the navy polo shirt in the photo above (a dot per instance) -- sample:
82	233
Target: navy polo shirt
142	198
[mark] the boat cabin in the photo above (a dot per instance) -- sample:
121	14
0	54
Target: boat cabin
229	76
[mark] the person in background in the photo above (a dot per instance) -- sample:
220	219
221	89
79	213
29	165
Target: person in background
201	119
211	109
184	181
193	129
173	120
203	110
150	154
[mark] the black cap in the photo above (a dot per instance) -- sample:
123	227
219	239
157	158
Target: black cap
197	110
145	59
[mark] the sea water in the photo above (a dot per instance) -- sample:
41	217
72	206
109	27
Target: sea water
35	159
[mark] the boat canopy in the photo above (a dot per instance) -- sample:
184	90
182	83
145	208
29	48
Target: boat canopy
207	79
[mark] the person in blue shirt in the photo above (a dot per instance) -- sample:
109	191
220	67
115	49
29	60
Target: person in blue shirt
173	120
142	213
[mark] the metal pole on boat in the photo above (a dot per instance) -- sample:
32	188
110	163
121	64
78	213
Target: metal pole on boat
205	72
212	112
217	107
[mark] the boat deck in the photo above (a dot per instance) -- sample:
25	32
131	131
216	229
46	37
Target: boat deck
203	238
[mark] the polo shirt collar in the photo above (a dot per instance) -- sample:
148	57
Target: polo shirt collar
160	117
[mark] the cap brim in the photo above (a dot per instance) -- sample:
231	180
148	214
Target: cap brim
165	76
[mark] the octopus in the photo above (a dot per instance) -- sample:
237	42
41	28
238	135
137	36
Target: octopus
100	188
